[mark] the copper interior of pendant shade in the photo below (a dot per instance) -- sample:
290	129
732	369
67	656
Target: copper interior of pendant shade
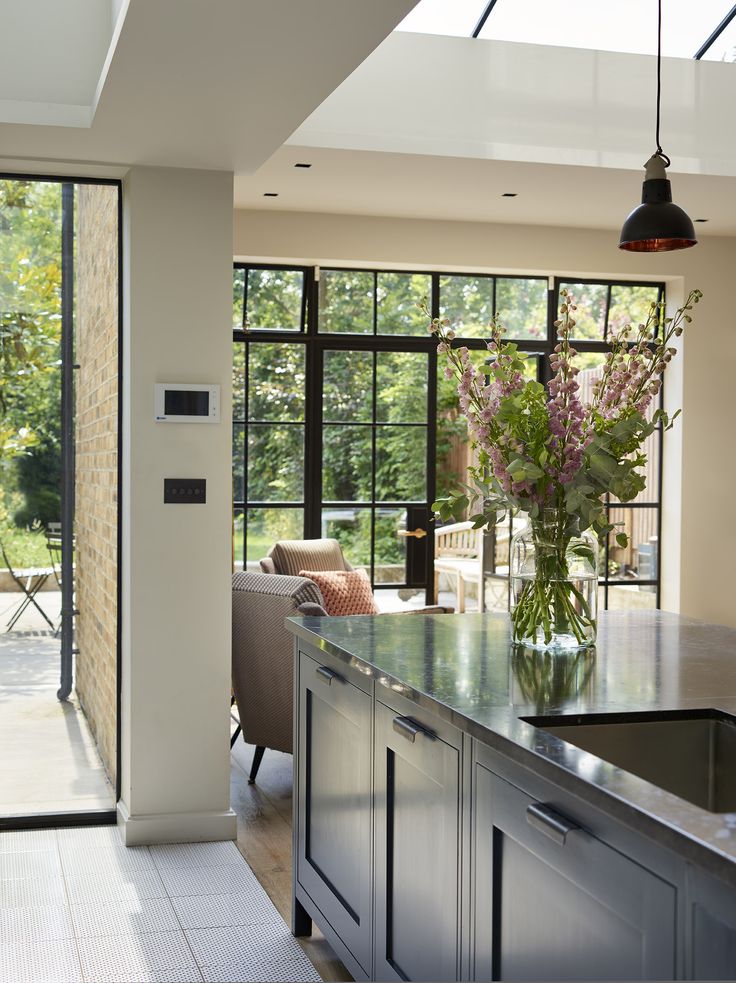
657	245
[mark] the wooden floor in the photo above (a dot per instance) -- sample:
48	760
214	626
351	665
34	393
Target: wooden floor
264	839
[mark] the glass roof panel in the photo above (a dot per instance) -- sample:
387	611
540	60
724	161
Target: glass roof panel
724	48
625	25
456	18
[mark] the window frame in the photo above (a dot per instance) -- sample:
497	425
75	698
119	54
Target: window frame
317	342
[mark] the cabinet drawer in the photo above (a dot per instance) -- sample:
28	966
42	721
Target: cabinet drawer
417	869
553	902
334	815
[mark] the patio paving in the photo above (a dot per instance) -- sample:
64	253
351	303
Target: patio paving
48	757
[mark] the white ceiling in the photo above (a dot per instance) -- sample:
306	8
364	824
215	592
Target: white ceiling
440	127
422	126
468	189
192	83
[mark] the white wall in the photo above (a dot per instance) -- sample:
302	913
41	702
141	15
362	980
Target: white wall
700	470
177	288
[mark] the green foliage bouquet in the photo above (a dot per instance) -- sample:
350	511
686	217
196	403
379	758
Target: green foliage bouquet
542	451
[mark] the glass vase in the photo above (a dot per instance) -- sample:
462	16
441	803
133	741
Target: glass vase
554	583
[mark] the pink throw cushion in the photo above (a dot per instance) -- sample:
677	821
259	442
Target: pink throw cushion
344	591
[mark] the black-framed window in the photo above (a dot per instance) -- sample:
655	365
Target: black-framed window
313	350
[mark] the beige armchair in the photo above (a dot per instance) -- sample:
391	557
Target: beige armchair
262	656
289	556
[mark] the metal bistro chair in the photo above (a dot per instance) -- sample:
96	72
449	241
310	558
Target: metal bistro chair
30	581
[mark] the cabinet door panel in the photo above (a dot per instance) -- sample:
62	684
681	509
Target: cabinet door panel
417	853
334	842
561	908
713	927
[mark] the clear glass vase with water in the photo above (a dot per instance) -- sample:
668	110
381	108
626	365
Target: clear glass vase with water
554	583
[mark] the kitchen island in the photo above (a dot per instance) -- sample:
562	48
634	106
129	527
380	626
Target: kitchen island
444	829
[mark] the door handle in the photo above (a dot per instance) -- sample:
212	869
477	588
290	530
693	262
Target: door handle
418	533
549	822
409	728
327	675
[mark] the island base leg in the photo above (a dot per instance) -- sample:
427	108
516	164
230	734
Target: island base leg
301	923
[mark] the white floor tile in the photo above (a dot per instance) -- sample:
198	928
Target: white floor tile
89	836
34	962
124	918
33	892
114	885
35	924
250	953
103	857
127	955
157	976
26	841
223	910
40	863
184	856
209	880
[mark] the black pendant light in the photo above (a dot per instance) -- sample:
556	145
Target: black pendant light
657	225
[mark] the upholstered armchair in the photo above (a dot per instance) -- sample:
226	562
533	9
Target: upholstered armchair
289	556
262	656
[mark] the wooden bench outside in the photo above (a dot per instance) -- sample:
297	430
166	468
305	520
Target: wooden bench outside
458	552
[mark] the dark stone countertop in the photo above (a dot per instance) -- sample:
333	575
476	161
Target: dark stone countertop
462	668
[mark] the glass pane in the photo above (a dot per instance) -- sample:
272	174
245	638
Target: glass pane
275	300
352	529
591	369
238	380
348	387
346	463
346	301
468	302
268	526
390	548
397	297
454	453
632	597
591	300
275	463
401	387
401	464
630	305
627	25
238	297
276	381
522	306
440	17
238	539
651	449
640	559
238	463
724	49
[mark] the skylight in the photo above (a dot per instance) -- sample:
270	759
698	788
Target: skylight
627	25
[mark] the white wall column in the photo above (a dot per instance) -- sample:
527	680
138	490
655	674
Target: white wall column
176	559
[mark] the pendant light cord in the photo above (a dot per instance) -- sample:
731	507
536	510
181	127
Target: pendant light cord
659	152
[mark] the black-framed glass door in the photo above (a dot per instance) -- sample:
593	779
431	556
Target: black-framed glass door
375	460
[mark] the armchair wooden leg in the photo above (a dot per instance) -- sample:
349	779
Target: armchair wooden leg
257	758
234	738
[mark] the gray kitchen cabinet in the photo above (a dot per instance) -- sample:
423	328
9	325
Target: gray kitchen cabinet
334	769
553	902
712	922
417	854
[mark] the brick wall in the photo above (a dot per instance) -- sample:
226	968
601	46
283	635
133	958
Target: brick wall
96	462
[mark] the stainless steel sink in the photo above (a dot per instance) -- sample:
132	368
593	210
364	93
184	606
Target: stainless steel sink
690	753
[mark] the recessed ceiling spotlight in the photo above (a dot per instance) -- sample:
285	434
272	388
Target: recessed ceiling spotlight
270	194
700	220
302	165
509	194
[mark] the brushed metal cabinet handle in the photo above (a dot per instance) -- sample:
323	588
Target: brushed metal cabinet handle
549	822
327	675
409	729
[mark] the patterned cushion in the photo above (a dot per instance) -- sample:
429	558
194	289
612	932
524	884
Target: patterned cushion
344	591
292	555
